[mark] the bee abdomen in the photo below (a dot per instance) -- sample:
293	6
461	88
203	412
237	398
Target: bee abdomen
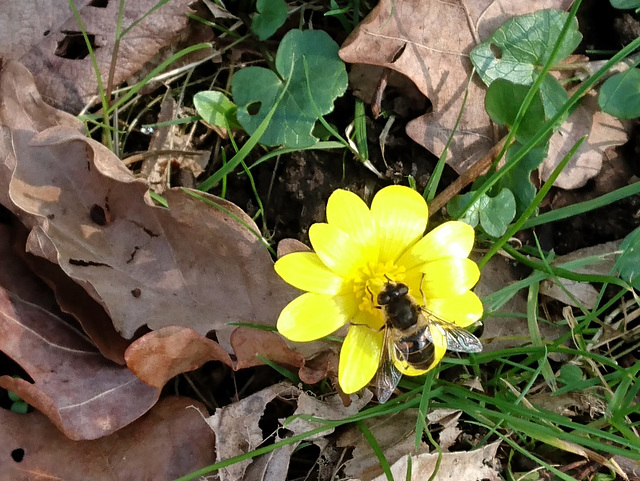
418	352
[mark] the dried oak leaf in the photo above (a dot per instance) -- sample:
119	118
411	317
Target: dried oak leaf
604	132
172	440
477	465
46	38
160	355
73	299
237	429
82	393
400	35
192	265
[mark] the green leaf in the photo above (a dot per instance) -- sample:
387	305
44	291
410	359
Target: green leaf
570	374
503	101
522	45
270	17
13	396
216	109
19	407
256	89
625	4
492	213
620	95
518	179
628	263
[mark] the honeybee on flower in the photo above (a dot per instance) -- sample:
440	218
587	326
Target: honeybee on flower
369	260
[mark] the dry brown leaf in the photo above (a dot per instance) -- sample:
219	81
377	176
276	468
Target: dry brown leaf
585	293
477	465
395	435
604	132
82	393
74	300
46	38
192	264
172	440
400	34
329	408
158	169
505	332
162	354
237	430
448	419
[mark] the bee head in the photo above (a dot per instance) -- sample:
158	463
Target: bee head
392	291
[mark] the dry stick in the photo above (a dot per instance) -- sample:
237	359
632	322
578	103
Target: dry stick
467	177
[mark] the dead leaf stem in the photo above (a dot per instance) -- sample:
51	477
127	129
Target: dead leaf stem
467	177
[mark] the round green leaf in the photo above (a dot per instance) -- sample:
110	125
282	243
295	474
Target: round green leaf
309	61
270	17
216	109
625	4
522	45
620	95
570	374
497	212
628	263
503	101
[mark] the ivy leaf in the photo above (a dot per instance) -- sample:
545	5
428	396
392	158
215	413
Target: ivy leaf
492	213
216	109
620	95
309	61
522	45
628	263
625	4
503	101
518	179
270	17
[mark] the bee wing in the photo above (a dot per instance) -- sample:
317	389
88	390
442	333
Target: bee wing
458	339
388	375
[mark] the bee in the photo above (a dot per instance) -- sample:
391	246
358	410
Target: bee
408	339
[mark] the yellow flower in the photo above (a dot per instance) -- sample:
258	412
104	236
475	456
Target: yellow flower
356	253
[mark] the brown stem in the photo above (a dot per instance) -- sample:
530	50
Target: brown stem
467	177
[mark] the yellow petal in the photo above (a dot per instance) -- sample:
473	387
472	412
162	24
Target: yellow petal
337	250
462	310
349	213
451	239
359	357
312	316
449	277
401	217
306	271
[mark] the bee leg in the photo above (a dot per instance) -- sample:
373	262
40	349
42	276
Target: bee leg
424	299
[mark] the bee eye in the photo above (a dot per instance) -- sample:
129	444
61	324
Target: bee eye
384	298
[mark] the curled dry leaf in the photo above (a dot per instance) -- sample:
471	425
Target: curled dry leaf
395	435
169	148
237	429
505	332
584	293
603	132
82	393
162	354
74	300
477	465
49	41
192	264
172	440
399	34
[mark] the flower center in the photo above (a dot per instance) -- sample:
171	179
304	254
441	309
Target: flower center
370	281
